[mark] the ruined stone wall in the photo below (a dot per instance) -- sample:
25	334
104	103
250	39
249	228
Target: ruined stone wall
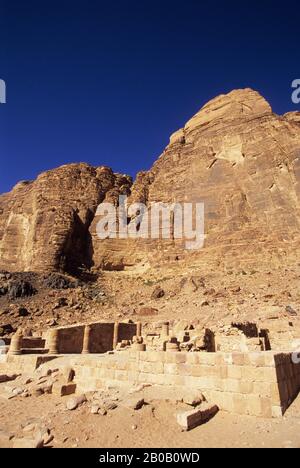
33	343
23	364
260	384
102	335
257	384
70	339
126	331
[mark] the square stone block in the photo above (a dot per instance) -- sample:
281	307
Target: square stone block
208	359
234	372
170	368
151	367
238	359
175	357
263	389
239	404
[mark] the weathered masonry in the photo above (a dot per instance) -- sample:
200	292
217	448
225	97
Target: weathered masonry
254	382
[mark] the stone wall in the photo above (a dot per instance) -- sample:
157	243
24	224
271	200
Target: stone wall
126	331
24	364
261	384
33	343
70	339
102	335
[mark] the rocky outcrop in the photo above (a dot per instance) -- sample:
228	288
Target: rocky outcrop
243	162
44	225
235	155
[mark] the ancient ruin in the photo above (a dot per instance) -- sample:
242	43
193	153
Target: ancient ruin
236	370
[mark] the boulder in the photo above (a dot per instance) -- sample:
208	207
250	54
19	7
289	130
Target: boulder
76	401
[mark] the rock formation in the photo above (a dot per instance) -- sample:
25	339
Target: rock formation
44	225
243	162
235	155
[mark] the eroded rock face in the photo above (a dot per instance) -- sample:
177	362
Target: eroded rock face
235	155
44	225
243	162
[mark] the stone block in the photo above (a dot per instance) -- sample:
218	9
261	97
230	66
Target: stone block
238	359
253	373
155	356
205	383
193	358
122	364
269	374
132	375
144	356
266	408
171	369
133	366
151	367
269	359
258	406
174	380
134	354
121	375
234	372
225	401
175	357
184	369
208	359
239	404
231	386
202	370
245	387
63	390
257	359
222	371
262	389
190	419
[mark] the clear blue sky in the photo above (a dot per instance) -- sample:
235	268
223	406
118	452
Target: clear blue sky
107	82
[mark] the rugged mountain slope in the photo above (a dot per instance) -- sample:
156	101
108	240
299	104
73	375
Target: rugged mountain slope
235	155
243	162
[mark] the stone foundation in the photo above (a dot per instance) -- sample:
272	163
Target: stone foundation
246	382
259	384
262	384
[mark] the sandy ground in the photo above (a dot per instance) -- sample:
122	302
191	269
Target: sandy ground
153	426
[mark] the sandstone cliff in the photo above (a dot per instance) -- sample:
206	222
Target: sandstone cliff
243	162
44	225
235	155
